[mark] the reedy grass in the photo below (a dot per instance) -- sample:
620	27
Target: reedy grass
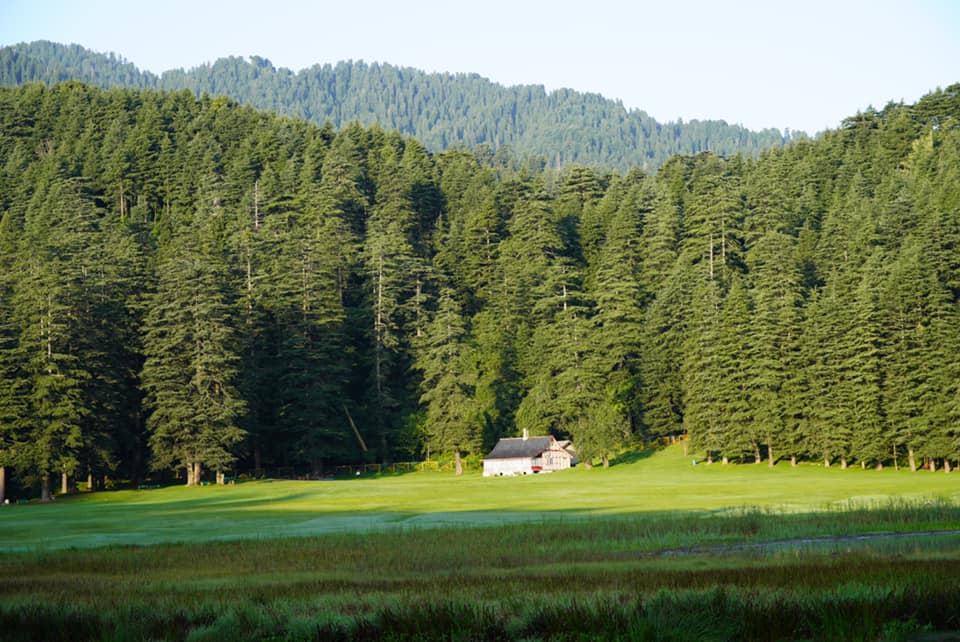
852	611
639	577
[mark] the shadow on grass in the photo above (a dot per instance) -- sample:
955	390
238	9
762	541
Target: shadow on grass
635	456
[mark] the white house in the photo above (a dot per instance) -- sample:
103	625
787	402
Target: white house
528	455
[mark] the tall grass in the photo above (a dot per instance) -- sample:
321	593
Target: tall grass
647	577
853	612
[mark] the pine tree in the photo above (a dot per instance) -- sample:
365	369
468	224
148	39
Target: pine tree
915	305
14	405
734	391
819	430
453	420
311	316
777	297
617	332
862	367
701	370
189	376
493	355
395	278
712	221
665	328
54	260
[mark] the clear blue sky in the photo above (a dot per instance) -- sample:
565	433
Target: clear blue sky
802	65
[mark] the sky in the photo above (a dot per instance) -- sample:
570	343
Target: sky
802	65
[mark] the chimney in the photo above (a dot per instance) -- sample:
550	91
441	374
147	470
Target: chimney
525	434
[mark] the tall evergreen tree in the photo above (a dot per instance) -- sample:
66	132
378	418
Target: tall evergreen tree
13	394
777	297
395	276
190	375
59	232
453	420
701	370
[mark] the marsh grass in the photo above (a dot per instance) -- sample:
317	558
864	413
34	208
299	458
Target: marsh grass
647	577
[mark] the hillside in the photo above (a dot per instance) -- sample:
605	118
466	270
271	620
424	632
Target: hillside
441	110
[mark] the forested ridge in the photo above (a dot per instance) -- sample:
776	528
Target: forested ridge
442	111
191	284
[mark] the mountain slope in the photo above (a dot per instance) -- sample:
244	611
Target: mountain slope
441	110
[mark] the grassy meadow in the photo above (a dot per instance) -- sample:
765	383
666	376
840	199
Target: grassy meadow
652	482
653	549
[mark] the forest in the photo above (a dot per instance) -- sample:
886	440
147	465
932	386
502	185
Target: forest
442	111
188	284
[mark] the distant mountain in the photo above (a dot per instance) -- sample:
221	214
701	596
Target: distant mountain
441	110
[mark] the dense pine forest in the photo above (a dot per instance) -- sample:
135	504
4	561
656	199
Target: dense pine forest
442	111
189	284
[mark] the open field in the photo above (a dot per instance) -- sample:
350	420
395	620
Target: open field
657	482
652	550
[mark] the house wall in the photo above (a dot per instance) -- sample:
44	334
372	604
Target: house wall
555	459
495	467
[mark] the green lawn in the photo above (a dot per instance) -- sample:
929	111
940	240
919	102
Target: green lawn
658	482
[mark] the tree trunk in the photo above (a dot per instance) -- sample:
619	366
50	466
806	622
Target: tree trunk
3	485
605	458
725	460
378	329
756	454
416	298
932	465
197	473
793	461
220	478
711	256
912	460
946	469
826	460
90	480
256	205
843	462
45	495
879	465
64	483
457	462
770	456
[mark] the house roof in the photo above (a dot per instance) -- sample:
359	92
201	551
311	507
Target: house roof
513	448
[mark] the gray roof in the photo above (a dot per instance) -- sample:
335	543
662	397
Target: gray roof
519	447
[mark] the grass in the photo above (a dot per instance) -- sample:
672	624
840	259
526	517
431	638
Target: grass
653	550
664	482
602	578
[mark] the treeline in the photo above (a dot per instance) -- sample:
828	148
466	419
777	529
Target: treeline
194	285
442	111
